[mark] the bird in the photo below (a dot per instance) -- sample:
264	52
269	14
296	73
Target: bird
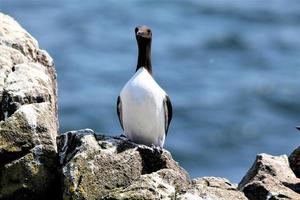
144	109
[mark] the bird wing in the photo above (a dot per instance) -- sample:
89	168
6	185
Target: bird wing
168	112
119	111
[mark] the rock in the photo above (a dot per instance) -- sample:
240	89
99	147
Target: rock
28	116
211	188
149	186
294	160
92	166
270	177
102	167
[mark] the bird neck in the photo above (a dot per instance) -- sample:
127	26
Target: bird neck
144	57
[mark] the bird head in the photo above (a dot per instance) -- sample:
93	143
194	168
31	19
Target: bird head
143	33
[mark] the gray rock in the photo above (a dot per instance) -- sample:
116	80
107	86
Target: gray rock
101	167
270	177
94	166
214	188
28	116
149	186
294	160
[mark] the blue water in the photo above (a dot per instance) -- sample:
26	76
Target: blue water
231	68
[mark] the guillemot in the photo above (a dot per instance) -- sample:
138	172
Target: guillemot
144	108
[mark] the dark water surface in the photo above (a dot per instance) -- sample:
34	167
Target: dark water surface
231	68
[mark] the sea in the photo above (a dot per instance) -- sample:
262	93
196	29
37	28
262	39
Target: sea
231	69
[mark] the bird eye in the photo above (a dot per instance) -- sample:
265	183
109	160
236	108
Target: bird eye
148	30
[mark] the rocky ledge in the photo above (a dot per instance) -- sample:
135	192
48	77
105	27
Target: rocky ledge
28	116
96	166
37	163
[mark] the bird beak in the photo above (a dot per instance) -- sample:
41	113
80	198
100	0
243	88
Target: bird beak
140	33
298	127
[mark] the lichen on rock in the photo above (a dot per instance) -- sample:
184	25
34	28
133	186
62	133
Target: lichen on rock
97	166
28	116
35	163
270	177
211	188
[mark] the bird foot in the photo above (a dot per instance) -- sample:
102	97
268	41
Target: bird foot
156	149
123	136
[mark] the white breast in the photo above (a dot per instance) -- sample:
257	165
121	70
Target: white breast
143	110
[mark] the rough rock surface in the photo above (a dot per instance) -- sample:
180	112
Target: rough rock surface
91	166
101	167
294	160
28	116
211	188
270	177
